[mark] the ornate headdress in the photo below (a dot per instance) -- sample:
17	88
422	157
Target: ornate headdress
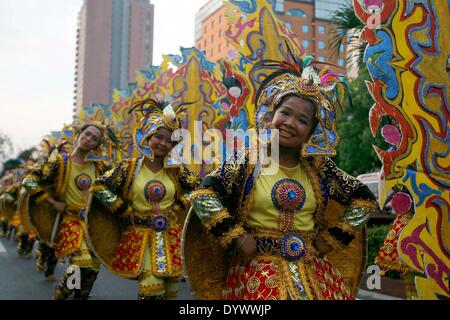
108	138
152	115
299	77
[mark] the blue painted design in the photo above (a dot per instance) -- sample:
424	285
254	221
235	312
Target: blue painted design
241	121
246	6
378	59
150	74
439	174
422	191
243	61
180	61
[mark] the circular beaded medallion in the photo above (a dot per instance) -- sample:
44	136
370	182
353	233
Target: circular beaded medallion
292	246
83	182
154	190
160	223
288	195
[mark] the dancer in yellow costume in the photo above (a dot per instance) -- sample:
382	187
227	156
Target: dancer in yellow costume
57	213
294	234
8	193
144	196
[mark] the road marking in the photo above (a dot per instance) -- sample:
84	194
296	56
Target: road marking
2	248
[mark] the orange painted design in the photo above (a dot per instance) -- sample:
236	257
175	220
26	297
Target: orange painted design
388	257
69	238
130	252
330	281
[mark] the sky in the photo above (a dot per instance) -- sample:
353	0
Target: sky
37	60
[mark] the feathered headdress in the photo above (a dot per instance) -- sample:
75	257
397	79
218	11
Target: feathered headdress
300	77
153	114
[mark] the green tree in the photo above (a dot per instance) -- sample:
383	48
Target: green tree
355	153
6	146
26	154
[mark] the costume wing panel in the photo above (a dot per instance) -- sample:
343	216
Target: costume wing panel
104	231
42	218
7	206
349	260
205	263
22	209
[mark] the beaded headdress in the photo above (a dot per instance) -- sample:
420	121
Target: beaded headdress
152	115
301	78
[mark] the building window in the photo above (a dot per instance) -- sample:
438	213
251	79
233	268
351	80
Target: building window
279	6
220	18
305	43
212	24
321	29
212	52
220	33
305	28
297	13
212	38
341	62
321	44
206	29
204	44
219	47
322	59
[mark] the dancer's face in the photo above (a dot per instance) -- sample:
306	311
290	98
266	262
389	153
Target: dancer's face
295	119
161	142
90	138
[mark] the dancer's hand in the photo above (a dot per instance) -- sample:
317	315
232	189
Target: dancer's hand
246	244
59	206
322	246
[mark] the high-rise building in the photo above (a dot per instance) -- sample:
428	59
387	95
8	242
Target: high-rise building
114	40
309	19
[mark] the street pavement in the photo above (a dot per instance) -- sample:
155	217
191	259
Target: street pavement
19	280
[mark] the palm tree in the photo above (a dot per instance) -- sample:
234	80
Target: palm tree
348	26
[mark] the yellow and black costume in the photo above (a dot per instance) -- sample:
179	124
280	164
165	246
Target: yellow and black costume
63	179
291	214
136	215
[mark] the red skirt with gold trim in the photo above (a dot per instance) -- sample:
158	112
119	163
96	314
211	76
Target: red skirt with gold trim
274	278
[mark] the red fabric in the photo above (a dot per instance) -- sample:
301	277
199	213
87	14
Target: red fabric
69	238
259	281
175	244
128	258
388	258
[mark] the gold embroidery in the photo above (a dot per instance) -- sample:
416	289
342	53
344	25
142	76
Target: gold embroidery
216	218
232	234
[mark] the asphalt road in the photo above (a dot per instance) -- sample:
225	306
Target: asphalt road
19	280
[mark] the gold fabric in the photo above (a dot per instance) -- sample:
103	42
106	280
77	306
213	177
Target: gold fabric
264	215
